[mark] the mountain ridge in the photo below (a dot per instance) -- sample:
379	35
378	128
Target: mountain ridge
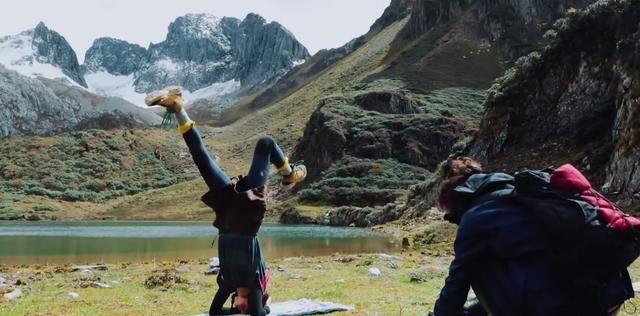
201	50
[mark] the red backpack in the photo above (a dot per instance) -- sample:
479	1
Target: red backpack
592	240
568	178
590	233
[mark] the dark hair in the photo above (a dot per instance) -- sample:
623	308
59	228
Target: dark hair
455	172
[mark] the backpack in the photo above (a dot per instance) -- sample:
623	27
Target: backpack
572	211
568	178
594	239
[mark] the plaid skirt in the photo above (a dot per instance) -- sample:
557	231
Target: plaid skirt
241	262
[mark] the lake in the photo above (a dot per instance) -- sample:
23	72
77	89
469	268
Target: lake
114	242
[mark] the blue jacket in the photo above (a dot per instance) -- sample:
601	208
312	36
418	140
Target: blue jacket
505	256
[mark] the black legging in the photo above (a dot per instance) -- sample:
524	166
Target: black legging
256	307
266	153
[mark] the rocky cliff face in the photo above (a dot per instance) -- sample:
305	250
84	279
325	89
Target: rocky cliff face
47	107
515	26
439	64
30	107
366	148
577	101
201	50
52	48
382	125
469	42
114	56
266	51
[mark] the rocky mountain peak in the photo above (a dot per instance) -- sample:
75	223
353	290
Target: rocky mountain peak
52	48
199	26
254	19
41	52
200	52
114	56
397	10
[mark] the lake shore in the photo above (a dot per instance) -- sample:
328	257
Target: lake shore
408	284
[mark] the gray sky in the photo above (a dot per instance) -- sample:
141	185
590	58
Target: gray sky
317	24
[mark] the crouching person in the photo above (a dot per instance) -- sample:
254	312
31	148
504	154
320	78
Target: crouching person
505	255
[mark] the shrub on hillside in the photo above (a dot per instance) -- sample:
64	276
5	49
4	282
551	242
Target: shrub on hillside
363	182
45	208
90	165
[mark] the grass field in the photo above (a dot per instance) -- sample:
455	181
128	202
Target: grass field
406	287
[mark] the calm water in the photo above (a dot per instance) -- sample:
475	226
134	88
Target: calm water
112	242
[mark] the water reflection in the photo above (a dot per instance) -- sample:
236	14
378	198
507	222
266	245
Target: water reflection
113	242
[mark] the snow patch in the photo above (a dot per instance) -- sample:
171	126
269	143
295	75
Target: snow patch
202	25
106	84
214	90
110	85
299	62
168	65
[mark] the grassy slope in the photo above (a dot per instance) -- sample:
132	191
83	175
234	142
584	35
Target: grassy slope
74	175
233	144
449	55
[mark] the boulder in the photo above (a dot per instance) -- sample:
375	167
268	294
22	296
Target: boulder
388	102
100	285
385	256
292	215
102	267
86	274
214	262
212	271
16	293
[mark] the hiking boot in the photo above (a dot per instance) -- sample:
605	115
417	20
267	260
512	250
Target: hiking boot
298	174
169	97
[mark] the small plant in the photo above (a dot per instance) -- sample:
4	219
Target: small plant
165	278
365	262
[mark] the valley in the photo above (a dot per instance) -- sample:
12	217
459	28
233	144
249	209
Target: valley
515	84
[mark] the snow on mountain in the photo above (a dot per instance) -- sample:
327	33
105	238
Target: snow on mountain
214	90
106	84
44	91
121	86
215	59
41	52
17	53
48	106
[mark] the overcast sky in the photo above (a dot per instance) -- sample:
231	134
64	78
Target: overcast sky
317	24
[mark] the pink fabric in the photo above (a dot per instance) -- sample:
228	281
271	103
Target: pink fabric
568	178
264	281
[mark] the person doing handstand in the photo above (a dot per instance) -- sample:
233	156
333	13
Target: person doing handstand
240	205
